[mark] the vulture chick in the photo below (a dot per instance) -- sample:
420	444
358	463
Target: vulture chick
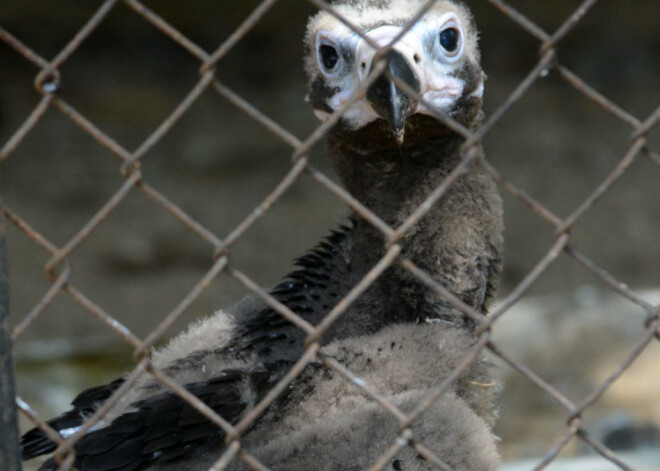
399	337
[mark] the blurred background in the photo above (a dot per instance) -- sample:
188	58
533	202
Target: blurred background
217	164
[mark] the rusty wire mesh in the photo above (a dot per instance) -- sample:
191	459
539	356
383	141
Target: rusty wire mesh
59	266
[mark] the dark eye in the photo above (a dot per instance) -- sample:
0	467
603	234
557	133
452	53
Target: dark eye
449	39
329	56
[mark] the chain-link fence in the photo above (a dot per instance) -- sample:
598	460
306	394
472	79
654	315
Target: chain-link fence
59	267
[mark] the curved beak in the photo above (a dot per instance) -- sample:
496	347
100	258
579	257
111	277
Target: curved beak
388	100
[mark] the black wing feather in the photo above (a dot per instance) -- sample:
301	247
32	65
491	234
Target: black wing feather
123	456
165	427
35	442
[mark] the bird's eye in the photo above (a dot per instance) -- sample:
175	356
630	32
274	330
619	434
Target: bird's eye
329	57
448	39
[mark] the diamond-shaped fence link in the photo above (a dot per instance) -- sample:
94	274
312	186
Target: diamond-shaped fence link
59	266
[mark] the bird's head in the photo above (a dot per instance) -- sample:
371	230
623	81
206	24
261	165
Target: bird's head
438	58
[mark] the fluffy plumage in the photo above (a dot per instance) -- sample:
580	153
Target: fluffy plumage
398	336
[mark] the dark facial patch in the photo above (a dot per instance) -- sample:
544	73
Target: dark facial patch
467	111
471	75
348	54
320	93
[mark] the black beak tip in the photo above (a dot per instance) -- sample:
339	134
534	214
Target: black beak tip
399	135
388	100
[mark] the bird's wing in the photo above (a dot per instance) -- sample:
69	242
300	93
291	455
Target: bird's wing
35	442
164	427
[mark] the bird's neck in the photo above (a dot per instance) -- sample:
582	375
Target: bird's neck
393	180
457	242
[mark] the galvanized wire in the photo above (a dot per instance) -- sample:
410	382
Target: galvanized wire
58	267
